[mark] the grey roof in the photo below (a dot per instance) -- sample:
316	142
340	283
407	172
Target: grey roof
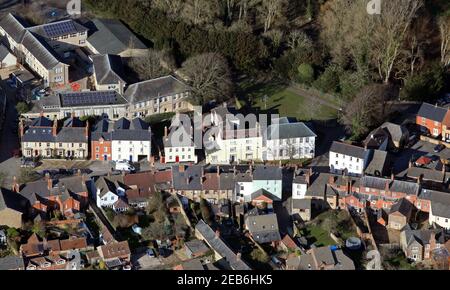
109	184
196	246
219	246
41	130
40	50
91	98
410	188
335	260
423	236
12	263
289	131
63	187
151	89
38	134
13	26
431	112
403	206
122	129
41	122
263	172
3	52
193	265
378	164
301	203
112	36
108	69
440	203
426	174
347	149
72	134
397	132
226	181
190	179
263	228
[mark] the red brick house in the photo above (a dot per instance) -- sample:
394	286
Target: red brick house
430	119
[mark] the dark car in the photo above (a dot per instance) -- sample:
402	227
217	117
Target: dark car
438	148
27	163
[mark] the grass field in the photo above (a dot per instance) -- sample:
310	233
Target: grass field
280	100
318	236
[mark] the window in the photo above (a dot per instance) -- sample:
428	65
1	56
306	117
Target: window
337	155
58	70
82	41
337	162
58	79
40	144
73	145
105	149
97	149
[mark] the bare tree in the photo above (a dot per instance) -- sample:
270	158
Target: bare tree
299	39
151	65
200	11
367	109
391	31
172	8
210	77
270	11
444	28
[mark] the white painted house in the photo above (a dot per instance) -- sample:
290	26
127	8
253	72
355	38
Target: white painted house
109	189
286	141
131	140
235	140
300	184
269	178
178	145
349	158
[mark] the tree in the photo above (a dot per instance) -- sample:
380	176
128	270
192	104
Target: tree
258	255
306	73
329	80
271	10
368	109
299	39
200	11
209	76
22	108
12	233
149	66
444	29
39	229
426	85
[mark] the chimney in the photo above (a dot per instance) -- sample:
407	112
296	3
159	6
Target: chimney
41	114
217	234
443	168
331	180
21	129
386	186
410	164
238	256
188	180
432	241
79	172
15	186
308	177
218	170
181	168
55	128
86	131
49	183
165	131
392	176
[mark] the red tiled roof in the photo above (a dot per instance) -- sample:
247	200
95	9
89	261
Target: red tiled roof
289	242
71	244
423	160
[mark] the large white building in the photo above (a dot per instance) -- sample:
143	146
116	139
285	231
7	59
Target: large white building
439	209
235	139
131	140
286	141
179	146
349	158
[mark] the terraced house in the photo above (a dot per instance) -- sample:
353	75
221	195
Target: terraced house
44	138
43	48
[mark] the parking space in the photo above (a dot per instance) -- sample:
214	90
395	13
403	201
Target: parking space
144	262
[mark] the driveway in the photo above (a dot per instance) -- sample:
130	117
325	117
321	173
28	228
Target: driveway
142	261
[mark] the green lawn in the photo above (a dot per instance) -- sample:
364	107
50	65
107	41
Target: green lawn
284	102
318	236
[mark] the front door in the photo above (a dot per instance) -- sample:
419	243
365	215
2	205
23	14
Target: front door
131	158
105	157
177	159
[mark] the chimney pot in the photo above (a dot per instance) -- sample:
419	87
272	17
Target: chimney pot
217	234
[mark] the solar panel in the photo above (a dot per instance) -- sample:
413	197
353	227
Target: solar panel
89	98
60	28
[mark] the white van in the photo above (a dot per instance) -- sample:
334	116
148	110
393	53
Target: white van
123	166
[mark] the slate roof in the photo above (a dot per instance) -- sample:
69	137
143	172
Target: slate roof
41	130
378	164
431	112
426	174
397	132
301	203
108	69
220	247
14	26
35	191
263	228
289	131
109	184
196	247
187	180
423	236
440	203
40	50
410	188
10	200
112	36
336	260
263	172
152	89
347	149
403	206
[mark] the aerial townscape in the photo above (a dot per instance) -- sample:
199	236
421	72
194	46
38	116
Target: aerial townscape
224	135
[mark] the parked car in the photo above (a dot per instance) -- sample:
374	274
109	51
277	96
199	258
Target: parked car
124	166
438	148
27	163
151	252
